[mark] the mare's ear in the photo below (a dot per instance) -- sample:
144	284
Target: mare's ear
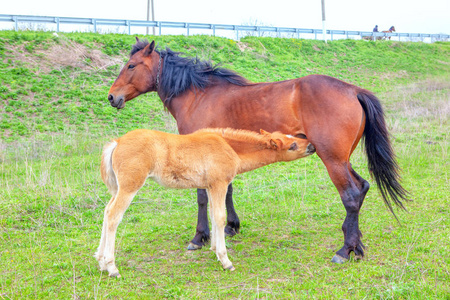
137	40
276	144
149	48
262	131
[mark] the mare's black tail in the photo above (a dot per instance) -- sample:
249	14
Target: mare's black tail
381	158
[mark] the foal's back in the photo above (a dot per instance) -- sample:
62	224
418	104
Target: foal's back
176	161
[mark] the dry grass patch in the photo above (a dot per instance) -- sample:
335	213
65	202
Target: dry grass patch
65	53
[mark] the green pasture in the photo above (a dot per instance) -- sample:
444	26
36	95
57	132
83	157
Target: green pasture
55	119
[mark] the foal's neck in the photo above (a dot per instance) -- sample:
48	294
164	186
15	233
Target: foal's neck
253	149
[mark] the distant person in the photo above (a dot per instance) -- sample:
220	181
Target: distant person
375	29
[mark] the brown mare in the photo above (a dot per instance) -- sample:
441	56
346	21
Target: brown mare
332	114
207	159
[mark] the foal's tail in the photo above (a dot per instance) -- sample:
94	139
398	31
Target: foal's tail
380	156
106	169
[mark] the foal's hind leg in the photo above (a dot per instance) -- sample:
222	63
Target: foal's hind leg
113	216
99	255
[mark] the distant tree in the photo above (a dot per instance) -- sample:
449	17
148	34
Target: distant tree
256	22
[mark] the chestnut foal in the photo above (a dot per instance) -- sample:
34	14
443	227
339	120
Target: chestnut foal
207	159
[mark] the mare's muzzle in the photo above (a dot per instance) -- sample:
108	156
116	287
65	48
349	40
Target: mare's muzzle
118	102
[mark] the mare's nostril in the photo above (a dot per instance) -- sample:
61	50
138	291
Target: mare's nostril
110	97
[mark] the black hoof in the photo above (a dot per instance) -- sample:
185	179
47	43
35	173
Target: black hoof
193	246
338	259
229	231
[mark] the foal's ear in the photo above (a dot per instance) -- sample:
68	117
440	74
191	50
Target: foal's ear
262	131
276	144
149	48
293	146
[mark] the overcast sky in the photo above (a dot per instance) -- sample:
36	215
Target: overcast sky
431	16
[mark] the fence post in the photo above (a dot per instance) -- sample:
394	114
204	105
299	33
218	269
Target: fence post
94	21
16	26
57	24
187	28
159	25
214	30
129	27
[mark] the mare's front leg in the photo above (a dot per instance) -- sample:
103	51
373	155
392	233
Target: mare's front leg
233	223
202	231
202	234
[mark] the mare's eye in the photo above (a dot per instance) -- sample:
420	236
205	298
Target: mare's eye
131	66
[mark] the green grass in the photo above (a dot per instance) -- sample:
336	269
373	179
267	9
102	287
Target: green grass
55	119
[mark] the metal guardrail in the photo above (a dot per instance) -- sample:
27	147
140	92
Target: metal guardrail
213	27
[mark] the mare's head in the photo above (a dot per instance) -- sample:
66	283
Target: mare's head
288	147
139	75
392	29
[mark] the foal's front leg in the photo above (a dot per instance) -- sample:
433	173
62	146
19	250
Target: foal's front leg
202	234
218	216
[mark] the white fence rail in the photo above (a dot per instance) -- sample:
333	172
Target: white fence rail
240	30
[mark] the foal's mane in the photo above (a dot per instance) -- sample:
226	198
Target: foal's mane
182	73
239	135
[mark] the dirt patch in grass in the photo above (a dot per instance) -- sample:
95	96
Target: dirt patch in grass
65	53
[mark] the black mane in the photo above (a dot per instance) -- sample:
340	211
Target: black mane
182	73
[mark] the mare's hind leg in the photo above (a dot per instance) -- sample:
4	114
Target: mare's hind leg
363	185
352	191
202	233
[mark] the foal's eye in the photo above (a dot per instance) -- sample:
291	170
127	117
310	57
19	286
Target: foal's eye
131	66
293	146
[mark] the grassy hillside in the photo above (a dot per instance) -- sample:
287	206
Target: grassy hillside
55	84
55	118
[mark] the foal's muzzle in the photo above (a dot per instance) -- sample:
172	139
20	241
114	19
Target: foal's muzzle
118	101
310	149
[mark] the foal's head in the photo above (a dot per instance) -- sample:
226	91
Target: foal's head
288	147
139	75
